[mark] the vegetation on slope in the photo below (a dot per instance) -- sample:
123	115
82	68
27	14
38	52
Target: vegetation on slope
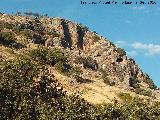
28	91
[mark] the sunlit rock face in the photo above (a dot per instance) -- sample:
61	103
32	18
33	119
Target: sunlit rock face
76	40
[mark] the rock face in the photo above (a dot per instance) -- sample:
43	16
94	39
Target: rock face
79	41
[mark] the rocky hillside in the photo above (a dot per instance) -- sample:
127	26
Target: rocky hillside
104	69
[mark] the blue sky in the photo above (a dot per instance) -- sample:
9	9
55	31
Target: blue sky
136	28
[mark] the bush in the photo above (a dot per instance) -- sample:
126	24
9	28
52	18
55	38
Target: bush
16	79
150	82
63	68
124	96
134	83
121	51
28	92
87	62
46	55
54	33
75	71
84	27
105	78
8	39
29	25
143	92
79	60
138	109
27	33
79	79
7	26
37	39
23	98
112	44
67	69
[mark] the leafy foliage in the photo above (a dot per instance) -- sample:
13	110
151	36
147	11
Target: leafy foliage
63	68
105	78
16	80
23	98
67	69
46	55
143	92
27	33
134	83
79	79
6	26
28	91
121	51
8	39
137	109
150	82
53	33
124	96
87	62
84	27
32	14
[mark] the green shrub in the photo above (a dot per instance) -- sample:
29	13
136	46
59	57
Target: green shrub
16	79
79	60
27	33
87	62
7	26
8	39
84	27
124	96
143	92
28	92
110	112
23	98
75	71
63	68
138	109
79	79
54	33
46	55
105	78
121	51
112	44
134	83
150	82
67	69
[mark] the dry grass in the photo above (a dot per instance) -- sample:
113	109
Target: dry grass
95	92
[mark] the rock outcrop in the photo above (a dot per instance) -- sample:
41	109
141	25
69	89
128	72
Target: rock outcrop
80	42
79	39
